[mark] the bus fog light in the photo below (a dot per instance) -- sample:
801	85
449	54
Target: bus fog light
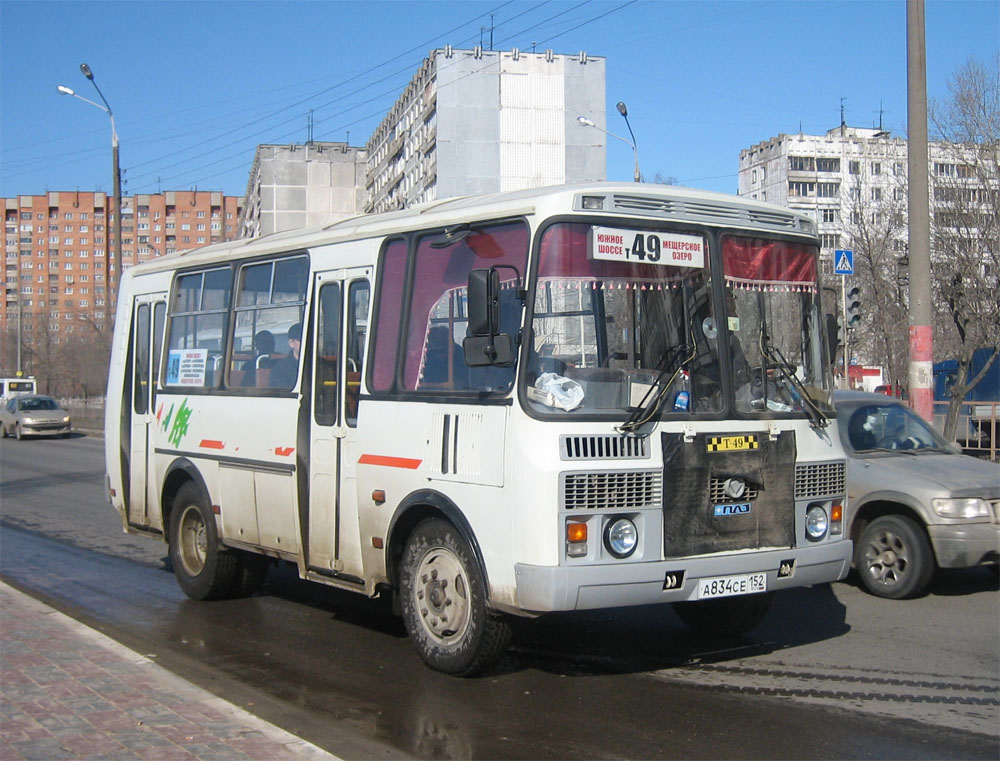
621	537
816	523
576	550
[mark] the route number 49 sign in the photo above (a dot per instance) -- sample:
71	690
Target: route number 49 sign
669	249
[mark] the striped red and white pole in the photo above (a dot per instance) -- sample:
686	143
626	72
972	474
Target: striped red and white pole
922	370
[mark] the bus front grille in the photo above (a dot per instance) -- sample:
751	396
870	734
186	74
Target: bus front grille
613	490
822	479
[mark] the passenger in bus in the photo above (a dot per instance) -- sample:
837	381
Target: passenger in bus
263	348
285	370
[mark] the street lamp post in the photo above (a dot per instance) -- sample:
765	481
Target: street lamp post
115	261
630	143
623	110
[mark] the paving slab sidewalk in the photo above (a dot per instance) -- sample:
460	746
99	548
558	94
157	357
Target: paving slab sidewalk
69	692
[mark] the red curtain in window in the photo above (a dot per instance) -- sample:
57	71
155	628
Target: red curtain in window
758	264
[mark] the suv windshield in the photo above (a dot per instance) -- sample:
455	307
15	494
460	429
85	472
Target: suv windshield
625	320
887	427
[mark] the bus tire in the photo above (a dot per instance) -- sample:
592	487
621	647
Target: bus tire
204	569
894	558
444	603
728	616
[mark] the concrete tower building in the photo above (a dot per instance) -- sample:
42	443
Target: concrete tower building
295	186
475	121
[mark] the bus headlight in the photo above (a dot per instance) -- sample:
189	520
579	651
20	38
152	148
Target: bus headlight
817	523
621	537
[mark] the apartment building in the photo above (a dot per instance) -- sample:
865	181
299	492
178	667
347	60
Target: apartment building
854	178
479	121
59	268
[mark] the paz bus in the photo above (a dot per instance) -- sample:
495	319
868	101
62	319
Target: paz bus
559	399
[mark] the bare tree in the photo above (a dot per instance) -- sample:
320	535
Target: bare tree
966	224
876	229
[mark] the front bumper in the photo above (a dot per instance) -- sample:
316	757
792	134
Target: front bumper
542	589
46	429
964	545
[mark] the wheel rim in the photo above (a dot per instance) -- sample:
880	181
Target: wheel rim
887	558
192	541
441	589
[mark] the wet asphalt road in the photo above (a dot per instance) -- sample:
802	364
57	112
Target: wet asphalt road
832	673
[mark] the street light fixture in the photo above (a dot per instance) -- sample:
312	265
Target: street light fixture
584	121
115	260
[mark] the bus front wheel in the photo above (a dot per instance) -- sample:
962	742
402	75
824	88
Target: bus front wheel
728	616
204	570
444	603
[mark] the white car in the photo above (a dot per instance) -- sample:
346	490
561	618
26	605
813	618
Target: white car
914	502
34	415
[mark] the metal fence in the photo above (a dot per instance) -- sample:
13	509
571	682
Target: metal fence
977	427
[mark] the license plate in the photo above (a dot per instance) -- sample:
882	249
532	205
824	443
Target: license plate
727	586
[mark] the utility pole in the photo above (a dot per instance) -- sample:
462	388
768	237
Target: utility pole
921	320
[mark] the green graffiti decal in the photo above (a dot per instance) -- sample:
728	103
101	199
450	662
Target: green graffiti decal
180	427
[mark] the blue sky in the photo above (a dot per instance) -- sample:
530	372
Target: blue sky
195	86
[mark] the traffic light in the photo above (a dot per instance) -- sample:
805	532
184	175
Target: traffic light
853	307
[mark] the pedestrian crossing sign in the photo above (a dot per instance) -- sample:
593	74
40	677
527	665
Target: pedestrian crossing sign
843	262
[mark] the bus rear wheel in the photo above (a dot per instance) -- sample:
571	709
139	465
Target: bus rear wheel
444	603
204	570
728	616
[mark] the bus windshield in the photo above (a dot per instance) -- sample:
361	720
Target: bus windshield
625	322
773	318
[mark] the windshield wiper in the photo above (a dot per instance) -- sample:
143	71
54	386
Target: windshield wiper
773	355
652	401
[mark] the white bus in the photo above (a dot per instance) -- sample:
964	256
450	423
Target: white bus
10	387
568	398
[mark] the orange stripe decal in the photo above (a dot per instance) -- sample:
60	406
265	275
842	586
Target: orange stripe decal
389	462
210	444
283	451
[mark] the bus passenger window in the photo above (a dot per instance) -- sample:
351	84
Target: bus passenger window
267	324
198	312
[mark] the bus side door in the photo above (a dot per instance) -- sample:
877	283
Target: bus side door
148	317
334	545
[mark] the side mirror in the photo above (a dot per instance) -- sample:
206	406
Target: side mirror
481	351
484	302
486	345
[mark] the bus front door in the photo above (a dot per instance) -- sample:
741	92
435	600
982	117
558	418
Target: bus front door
341	321
147	335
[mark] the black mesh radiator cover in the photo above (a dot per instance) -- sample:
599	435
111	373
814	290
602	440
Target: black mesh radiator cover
690	523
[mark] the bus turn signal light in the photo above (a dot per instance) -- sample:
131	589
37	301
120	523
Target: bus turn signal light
836	519
576	540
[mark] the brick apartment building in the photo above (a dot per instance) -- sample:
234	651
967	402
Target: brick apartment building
58	266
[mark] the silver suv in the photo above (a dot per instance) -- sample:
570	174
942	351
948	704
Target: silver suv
914	503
